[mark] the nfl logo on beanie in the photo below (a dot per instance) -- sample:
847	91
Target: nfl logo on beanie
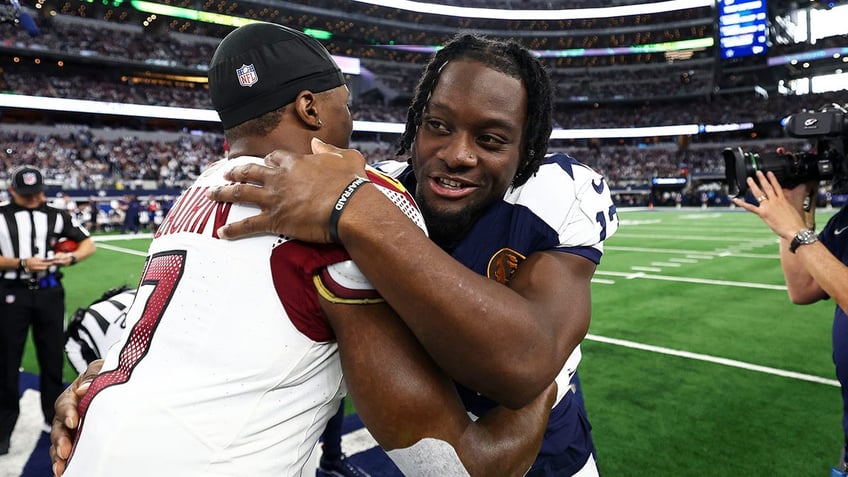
247	75
261	67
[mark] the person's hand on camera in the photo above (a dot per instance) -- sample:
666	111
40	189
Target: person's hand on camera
287	191
780	209
66	421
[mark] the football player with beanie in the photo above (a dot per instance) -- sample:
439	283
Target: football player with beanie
515	233
94	329
233	356
31	293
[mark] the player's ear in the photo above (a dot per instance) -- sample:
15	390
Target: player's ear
306	109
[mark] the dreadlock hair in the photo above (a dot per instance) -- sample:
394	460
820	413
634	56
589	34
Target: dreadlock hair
507	57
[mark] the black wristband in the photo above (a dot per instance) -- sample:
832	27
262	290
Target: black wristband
341	202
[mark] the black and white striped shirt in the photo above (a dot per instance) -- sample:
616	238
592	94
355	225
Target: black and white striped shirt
26	233
93	330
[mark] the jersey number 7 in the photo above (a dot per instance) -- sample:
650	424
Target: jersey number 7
162	271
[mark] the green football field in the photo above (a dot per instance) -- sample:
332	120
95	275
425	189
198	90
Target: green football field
696	362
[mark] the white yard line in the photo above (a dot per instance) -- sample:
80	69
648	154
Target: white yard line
699	257
665	264
102	239
714	359
646	269
121	249
728	237
114	238
700	281
696	254
692	256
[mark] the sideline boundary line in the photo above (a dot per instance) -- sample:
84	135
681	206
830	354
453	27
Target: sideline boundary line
101	239
714	359
700	281
121	249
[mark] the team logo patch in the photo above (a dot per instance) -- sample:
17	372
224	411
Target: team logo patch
30	178
503	265
247	75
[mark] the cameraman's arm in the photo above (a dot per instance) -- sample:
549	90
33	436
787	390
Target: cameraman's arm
803	288
824	274
783	211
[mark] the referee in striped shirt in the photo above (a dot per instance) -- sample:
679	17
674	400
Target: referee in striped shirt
31	292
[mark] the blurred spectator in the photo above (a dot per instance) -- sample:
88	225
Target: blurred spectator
132	210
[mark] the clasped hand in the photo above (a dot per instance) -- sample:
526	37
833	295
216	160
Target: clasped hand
66	421
295	192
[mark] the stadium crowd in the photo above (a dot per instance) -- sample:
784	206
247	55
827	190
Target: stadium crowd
607	86
77	159
640	90
94	173
85	159
702	109
365	29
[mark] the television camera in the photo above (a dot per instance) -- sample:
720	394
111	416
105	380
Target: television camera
827	127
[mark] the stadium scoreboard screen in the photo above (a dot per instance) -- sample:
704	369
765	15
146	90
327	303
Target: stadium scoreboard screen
742	28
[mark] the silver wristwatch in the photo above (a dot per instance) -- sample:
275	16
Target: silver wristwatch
804	237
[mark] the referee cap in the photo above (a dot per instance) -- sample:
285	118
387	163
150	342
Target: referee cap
260	67
27	180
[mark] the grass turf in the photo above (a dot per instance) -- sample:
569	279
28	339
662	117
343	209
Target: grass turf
706	282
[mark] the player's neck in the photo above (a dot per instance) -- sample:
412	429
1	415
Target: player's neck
262	146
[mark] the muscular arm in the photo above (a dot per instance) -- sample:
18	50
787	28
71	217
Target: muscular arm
505	342
402	397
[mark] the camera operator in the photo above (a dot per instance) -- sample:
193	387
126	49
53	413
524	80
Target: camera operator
814	266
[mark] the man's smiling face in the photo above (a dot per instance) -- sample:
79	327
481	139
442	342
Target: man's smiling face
468	146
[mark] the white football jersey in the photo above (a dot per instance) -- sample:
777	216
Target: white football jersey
228	366
565	207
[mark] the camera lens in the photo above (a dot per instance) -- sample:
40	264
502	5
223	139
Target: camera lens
736	169
790	169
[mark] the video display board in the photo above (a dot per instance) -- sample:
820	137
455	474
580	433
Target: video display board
742	28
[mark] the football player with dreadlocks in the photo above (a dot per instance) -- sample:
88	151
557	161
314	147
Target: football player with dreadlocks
515	233
233	355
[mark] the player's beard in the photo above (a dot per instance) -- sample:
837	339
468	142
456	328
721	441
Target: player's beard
447	229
